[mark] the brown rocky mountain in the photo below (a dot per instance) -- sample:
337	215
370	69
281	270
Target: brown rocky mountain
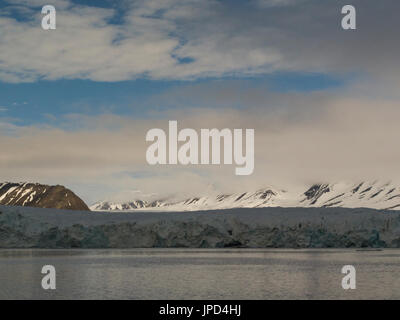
39	195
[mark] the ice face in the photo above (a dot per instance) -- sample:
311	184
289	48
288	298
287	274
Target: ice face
254	228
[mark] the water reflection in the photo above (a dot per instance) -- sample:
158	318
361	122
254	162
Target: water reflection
199	274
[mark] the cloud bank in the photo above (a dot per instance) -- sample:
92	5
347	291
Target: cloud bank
300	138
175	39
346	133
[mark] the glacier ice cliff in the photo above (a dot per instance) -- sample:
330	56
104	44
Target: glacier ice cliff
22	227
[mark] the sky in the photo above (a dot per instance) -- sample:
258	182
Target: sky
76	102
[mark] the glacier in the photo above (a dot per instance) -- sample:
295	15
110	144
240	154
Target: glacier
270	227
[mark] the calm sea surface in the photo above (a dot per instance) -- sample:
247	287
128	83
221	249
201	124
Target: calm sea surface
199	274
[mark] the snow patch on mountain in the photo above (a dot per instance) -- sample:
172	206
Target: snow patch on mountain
375	194
38	195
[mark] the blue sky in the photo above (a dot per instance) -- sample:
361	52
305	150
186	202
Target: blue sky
46	101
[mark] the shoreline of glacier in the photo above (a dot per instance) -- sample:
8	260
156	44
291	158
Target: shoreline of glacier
271	227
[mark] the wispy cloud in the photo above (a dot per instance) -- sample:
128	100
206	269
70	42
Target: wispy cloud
177	39
300	138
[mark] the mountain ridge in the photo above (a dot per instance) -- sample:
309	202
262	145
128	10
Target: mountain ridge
375	195
29	194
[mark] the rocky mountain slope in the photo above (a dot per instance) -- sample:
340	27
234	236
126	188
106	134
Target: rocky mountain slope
375	194
38	195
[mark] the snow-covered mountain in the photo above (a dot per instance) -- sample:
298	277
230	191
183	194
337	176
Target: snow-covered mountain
131	205
376	195
39	195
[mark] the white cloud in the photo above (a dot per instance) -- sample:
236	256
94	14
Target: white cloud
154	37
62	4
317	137
299	137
